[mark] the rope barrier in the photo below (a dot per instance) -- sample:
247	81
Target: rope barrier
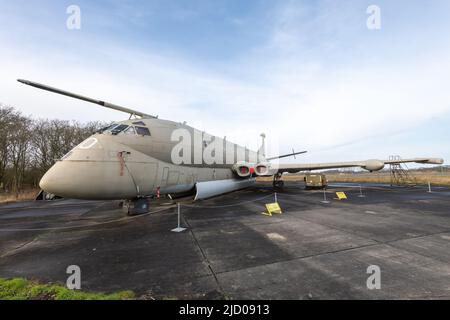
86	226
132	217
228	205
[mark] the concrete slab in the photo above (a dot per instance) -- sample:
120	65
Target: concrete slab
436	246
230	250
343	275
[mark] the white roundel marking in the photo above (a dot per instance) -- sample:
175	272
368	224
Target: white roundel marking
89	143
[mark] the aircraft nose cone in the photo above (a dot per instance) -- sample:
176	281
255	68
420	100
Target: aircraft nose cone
43	184
67	180
91	172
51	180
88	180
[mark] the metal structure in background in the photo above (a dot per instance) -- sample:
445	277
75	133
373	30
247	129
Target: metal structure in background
400	175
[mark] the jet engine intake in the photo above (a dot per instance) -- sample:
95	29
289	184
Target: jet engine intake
262	169
244	169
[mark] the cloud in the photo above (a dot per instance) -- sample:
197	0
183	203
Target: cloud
288	86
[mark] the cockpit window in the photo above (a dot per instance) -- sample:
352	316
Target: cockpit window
106	128
142	131
130	131
118	129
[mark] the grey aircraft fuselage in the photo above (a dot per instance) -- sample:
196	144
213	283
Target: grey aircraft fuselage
129	165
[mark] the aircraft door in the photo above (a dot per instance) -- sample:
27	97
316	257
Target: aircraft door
165	176
169	177
173	178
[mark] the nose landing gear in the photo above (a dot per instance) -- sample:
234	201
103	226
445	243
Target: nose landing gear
136	206
277	182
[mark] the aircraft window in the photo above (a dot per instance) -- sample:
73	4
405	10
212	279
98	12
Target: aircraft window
142	131
118	129
130	131
107	128
140	123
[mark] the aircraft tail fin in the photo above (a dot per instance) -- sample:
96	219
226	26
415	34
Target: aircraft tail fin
262	148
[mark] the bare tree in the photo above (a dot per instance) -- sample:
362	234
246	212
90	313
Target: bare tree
6	123
19	142
52	139
28	147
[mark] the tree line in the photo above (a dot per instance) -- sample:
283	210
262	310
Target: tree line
29	147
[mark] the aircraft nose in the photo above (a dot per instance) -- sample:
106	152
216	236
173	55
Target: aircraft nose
88	180
52	181
69	179
91	172
74	174
44	184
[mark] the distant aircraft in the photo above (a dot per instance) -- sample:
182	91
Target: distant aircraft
145	156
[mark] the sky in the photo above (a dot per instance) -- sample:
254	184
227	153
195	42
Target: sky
309	74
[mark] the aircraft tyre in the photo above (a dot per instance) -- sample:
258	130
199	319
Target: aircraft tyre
136	206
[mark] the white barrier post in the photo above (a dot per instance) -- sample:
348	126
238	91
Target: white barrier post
360	192
429	187
179	228
276	199
325	196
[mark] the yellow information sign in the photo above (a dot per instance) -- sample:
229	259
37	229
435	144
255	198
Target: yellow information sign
272	208
341	195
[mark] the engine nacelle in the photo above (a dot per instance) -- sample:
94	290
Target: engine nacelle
244	169
262	169
373	165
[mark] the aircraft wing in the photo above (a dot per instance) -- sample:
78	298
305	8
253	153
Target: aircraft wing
370	165
87	99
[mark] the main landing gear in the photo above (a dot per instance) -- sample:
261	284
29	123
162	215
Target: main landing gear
277	182
136	206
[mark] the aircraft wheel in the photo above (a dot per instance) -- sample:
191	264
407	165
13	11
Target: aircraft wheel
136	206
278	184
